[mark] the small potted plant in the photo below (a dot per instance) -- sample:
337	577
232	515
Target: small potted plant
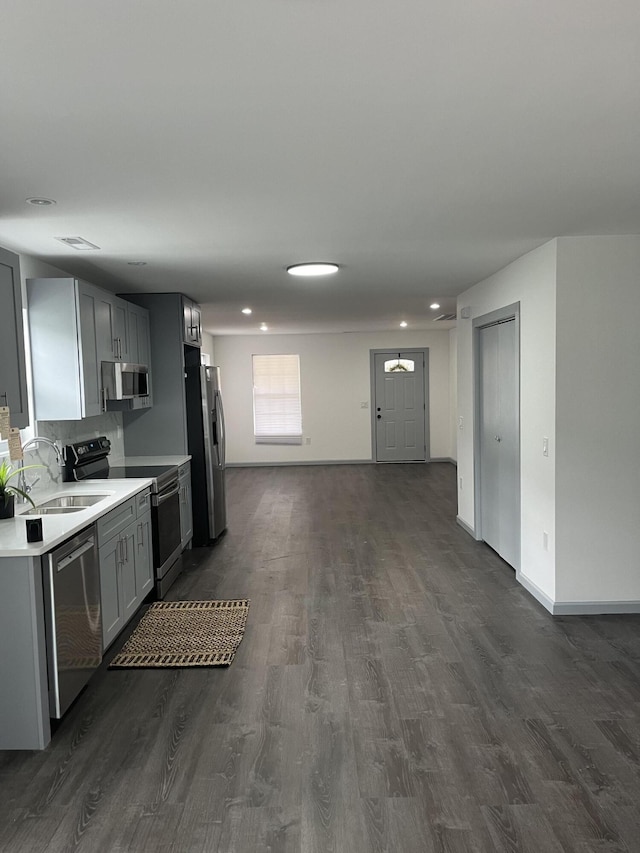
8	492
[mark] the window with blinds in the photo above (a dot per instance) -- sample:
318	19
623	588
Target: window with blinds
277	412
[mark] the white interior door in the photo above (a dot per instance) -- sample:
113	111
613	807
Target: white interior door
499	439
399	415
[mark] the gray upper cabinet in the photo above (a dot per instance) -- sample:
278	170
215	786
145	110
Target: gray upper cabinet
13	375
138	334
121	330
74	327
113	327
64	318
192	322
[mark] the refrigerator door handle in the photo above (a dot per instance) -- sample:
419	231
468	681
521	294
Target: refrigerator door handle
220	429
214	424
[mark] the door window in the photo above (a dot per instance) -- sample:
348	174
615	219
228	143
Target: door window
399	365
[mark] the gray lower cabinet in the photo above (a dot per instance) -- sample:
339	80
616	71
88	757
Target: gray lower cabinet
126	566
144	548
186	511
13	377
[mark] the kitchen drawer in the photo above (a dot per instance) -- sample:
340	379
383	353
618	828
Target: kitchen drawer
143	503
115	521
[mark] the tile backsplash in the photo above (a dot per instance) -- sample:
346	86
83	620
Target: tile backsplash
68	432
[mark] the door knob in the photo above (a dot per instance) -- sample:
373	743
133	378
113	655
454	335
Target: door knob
378	416
379	409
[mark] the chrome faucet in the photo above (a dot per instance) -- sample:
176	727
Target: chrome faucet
37	439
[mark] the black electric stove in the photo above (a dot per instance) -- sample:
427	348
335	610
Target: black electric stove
161	473
89	460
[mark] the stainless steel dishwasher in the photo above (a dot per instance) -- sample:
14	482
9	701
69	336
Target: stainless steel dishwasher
73	618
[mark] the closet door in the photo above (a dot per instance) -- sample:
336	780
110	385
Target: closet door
499	439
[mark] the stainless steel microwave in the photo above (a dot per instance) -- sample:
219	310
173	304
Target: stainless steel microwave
122	380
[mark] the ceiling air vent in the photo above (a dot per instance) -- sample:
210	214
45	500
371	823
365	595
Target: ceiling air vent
445	317
78	243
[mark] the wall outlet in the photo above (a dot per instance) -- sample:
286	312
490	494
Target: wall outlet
545	446
307	440
460	423
545	540
460	482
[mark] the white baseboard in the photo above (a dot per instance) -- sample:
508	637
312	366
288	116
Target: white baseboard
300	462
594	608
466	528
577	608
536	592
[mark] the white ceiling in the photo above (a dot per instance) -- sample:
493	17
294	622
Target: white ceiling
420	144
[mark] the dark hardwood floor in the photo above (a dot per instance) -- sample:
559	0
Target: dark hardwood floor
396	690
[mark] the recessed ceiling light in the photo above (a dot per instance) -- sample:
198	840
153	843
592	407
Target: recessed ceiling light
41	202
246	310
312	269
137	263
434	306
403	324
264	327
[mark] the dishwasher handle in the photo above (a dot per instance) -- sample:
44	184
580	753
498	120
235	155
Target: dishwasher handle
87	546
164	496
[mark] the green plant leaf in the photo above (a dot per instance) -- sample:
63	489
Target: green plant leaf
14	490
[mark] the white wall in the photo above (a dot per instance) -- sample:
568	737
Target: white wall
598	419
335	380
207	346
531	281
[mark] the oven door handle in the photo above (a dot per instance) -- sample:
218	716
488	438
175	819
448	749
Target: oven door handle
160	499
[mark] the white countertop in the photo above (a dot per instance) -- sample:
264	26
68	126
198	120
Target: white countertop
58	528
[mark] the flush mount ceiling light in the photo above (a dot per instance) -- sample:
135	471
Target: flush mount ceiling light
78	243
264	327
41	202
403	325
246	310
434	306
312	269
137	263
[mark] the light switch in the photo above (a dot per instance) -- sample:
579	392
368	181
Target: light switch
545	446
364	405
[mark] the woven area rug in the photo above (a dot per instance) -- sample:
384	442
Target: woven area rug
186	633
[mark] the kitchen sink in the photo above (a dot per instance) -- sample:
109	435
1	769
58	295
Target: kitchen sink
64	504
52	510
79	501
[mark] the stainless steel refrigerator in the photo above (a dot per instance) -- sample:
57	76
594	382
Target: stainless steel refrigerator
206	438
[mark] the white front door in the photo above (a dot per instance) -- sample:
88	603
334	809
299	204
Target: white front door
399	407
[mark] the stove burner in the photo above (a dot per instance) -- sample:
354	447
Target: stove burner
123	472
